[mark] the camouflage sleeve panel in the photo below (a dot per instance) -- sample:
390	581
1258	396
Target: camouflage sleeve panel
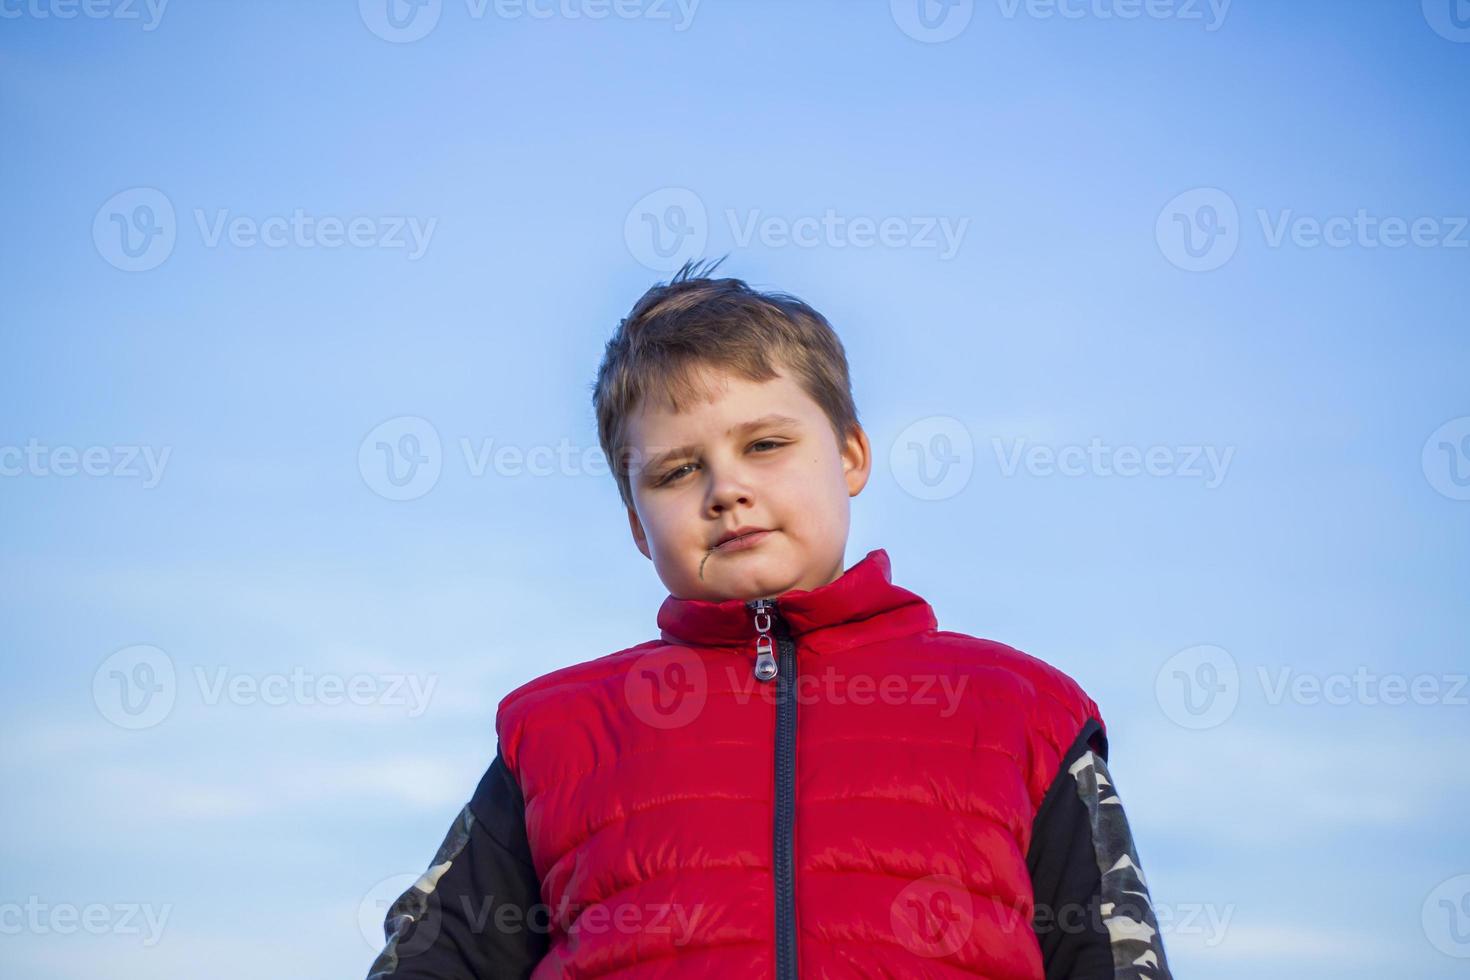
471	914
1094	917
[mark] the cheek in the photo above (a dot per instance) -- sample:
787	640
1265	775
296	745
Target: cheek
672	522
809	488
661	519
822	471
827	489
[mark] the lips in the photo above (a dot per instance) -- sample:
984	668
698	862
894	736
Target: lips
737	534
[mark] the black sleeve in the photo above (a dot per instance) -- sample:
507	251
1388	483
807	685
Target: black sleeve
473	914
1094	918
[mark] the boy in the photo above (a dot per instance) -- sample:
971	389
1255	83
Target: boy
802	775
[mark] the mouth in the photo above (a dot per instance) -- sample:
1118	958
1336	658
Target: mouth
742	538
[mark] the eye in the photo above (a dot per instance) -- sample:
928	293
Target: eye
672	475
676	473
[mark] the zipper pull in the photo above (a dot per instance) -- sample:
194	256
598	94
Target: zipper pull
765	661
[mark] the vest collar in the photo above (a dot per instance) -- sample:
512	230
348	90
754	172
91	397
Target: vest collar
860	606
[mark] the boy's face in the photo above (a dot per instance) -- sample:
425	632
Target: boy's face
789	477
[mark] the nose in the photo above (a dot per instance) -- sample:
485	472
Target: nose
729	487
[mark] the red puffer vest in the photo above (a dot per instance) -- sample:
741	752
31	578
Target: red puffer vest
865	811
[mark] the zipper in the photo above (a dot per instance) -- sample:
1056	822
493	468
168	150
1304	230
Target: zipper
769	625
765	664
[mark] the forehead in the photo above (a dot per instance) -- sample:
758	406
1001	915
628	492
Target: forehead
726	400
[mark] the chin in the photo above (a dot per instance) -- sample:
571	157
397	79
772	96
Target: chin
759	576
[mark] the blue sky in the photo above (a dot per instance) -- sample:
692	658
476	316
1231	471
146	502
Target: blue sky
1227	238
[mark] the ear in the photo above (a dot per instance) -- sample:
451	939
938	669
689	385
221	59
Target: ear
639	538
857	460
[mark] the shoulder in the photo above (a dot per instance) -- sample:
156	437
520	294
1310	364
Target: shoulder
574	678
555	695
1056	710
1033	677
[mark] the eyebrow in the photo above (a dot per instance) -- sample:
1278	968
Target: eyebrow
774	419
